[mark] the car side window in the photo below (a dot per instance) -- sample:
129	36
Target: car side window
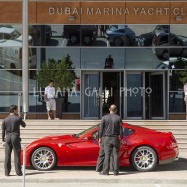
128	131
164	40
7	36
175	41
95	135
121	30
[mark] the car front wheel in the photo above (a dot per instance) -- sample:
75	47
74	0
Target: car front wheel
43	159
144	158
118	41
87	40
73	39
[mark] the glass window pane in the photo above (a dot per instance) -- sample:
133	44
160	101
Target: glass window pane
7	99
12	80
177	80
178	35
89	36
102	58
71	96
142	58
11	57
176	102
134	98
59	53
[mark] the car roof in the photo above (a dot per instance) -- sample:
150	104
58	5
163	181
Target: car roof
6	30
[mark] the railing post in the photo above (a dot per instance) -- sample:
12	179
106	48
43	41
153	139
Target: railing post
25	58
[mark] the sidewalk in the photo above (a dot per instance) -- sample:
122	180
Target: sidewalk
174	173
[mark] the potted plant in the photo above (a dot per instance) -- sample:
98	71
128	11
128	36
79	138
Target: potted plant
63	75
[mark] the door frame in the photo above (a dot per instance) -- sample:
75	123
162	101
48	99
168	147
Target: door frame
121	73
83	73
125	96
100	73
164	93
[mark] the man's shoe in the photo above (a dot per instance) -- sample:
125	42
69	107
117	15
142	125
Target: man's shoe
98	170
20	174
103	173
116	173
7	175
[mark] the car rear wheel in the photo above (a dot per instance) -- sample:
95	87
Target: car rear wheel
118	41
87	40
165	55
73	39
144	158
127	41
43	159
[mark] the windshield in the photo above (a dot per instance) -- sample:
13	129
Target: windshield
85	131
15	34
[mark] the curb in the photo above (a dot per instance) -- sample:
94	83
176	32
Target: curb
117	181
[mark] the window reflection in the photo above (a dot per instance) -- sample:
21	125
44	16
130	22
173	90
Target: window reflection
176	102
177	79
96	58
7	99
59	53
11	57
11	80
142	58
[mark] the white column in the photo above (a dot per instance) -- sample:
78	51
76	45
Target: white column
25	71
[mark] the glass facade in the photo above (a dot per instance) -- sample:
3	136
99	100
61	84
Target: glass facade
133	53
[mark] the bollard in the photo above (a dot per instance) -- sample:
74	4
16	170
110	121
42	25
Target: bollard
24	163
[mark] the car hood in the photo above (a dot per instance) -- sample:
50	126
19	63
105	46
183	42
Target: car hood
52	139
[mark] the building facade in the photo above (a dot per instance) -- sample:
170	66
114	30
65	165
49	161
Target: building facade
130	53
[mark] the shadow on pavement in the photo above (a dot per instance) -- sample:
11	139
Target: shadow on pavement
36	173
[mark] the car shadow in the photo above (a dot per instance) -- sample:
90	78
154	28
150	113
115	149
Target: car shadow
39	172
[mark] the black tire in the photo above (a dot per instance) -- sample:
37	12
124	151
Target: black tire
40	163
118	41
13	68
73	39
127	41
87	40
145	162
165	55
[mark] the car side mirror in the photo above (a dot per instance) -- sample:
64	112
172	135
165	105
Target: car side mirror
89	137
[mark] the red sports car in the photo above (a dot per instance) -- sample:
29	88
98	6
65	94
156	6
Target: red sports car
143	149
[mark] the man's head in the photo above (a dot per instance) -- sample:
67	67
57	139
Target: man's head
13	109
51	83
113	109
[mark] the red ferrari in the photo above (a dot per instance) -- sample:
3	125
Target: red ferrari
143	149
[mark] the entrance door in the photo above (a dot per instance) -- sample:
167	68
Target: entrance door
155	96
111	87
134	95
90	95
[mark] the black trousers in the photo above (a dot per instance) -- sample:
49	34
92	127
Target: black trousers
12	142
111	146
100	160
